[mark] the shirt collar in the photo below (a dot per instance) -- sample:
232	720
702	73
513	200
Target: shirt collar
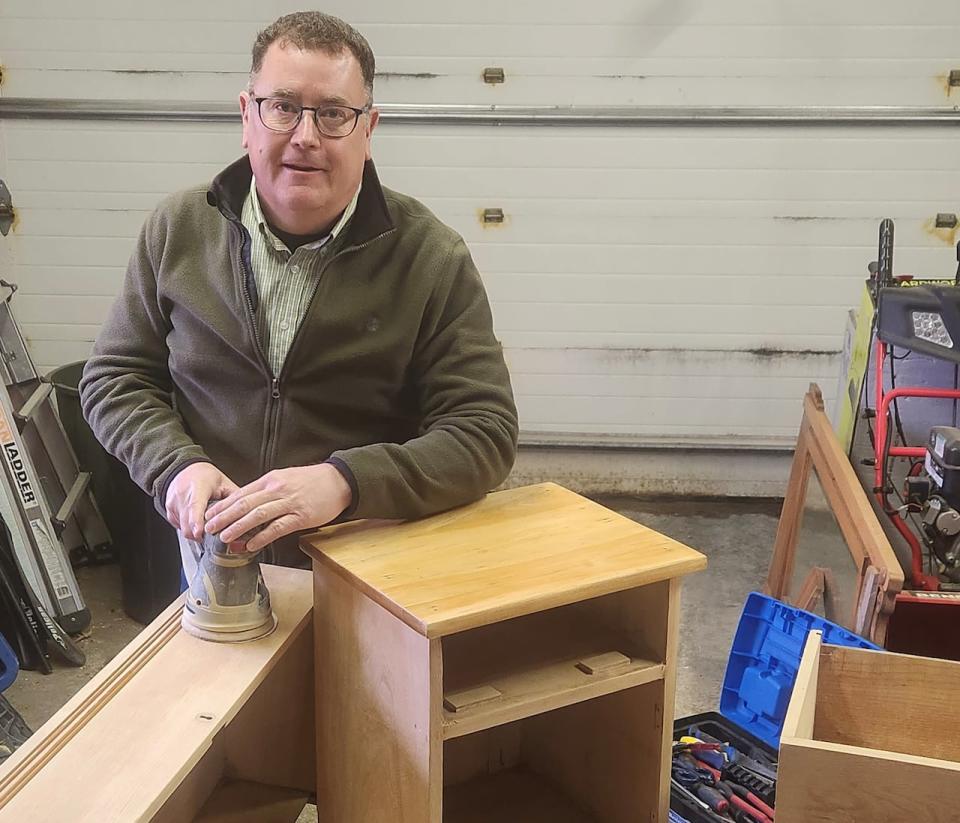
316	244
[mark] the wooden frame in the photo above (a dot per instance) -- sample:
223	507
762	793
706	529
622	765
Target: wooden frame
177	729
865	740
880	576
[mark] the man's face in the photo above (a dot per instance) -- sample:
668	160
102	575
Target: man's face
305	179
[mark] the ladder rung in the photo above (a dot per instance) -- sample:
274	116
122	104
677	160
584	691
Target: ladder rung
70	503
41	393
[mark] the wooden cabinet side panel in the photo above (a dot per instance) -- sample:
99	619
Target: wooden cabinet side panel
821	784
603	753
888	701
640	615
195	788
378	693
272	740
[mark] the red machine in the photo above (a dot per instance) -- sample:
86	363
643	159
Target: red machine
922	317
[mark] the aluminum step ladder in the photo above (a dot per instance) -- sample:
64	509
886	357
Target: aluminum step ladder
44	498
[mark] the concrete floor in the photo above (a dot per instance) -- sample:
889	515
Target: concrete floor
737	537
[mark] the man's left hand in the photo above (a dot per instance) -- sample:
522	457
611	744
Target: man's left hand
287	500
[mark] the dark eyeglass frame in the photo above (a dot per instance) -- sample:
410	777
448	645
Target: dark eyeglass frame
315	109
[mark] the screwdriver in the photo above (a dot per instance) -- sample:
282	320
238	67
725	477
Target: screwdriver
711	797
747	795
732	796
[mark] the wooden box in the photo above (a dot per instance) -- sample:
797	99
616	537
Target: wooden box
870	737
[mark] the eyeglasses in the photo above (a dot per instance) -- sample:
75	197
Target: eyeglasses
280	114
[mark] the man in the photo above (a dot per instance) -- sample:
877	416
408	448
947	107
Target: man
296	341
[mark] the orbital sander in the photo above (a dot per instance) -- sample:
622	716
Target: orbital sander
227	601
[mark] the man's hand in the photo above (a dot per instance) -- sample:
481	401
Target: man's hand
189	494
288	500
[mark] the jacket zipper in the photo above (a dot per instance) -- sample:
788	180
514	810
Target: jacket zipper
274	381
316	288
267	453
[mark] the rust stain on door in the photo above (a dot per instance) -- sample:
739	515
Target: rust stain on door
949	81
948	236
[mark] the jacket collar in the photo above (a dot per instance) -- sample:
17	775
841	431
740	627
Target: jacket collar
371	219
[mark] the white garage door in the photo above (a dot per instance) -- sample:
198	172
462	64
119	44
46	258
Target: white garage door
661	282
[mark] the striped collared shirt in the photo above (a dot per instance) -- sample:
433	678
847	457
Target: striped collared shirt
285	280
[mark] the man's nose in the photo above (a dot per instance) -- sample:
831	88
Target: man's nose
306	133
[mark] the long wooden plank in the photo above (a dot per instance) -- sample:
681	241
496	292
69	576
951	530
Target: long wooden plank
124	743
799	721
818	449
788	527
510	554
57	732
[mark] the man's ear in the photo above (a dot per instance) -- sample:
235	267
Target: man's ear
373	117
246	108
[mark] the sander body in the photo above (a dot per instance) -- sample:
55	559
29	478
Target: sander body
227	601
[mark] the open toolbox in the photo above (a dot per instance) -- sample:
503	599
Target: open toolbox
761	671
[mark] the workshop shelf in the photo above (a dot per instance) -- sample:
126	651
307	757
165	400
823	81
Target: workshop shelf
588	761
510	670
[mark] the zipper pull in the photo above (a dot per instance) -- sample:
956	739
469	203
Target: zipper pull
276	388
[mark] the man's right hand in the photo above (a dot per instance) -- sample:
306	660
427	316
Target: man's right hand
189	494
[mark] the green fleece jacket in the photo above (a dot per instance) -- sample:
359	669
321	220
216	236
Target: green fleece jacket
394	376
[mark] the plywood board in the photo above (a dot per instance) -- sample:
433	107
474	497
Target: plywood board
121	747
378	696
892	702
510	554
828	783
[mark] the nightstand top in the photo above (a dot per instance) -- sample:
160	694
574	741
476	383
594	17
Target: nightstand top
512	553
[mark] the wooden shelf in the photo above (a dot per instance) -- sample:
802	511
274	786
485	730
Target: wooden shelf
522	667
509	797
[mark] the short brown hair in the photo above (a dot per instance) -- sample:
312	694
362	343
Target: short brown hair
313	30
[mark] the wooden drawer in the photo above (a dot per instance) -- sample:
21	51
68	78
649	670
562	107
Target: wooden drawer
870	737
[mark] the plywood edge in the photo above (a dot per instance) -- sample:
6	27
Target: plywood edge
801	711
879	755
134	665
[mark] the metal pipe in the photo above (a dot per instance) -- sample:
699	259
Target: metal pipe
26	108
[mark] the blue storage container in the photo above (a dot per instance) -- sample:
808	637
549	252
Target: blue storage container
8	664
764	659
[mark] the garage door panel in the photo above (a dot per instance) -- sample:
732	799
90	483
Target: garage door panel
647	282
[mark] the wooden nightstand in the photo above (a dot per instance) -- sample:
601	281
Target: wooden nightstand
510	661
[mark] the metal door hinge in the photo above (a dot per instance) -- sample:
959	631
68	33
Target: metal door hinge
494	74
493	216
954	79
6	209
946	220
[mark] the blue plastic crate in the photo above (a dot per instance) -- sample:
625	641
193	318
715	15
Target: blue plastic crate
8	664
764	659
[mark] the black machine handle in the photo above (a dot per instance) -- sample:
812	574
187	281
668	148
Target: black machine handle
885	253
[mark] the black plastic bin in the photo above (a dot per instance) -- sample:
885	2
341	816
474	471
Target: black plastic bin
146	545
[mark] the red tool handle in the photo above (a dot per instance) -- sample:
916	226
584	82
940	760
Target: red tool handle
746	808
712	797
706	767
750	797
